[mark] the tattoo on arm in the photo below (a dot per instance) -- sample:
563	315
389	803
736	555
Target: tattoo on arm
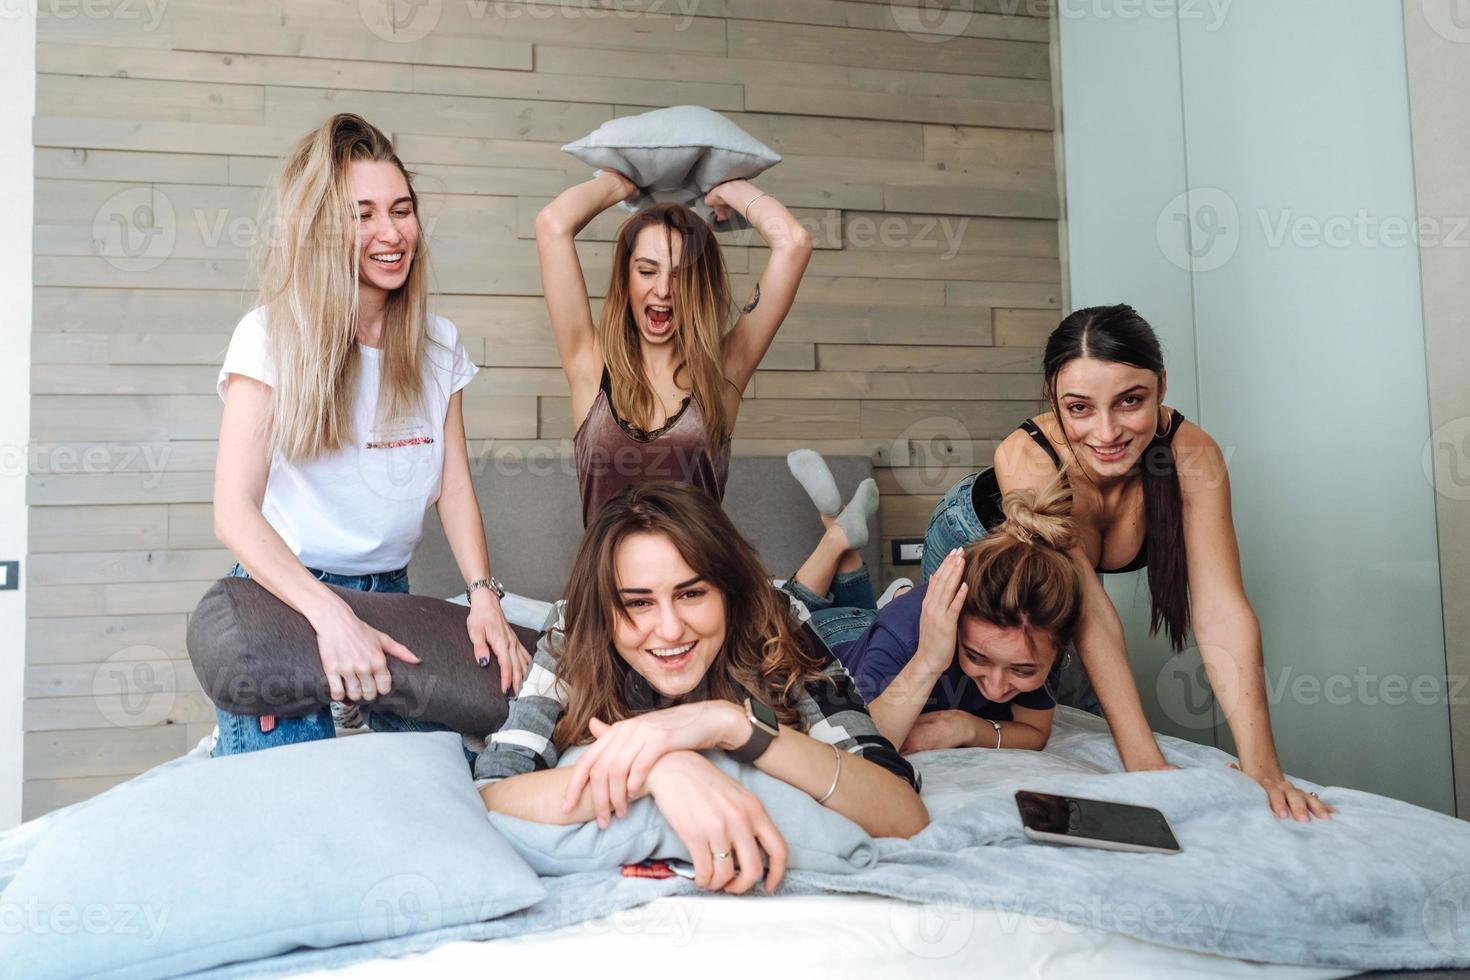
754	300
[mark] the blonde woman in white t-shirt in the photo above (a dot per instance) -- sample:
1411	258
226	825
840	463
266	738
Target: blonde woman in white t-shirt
343	424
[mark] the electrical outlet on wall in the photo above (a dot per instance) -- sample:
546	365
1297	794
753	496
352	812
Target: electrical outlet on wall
908	551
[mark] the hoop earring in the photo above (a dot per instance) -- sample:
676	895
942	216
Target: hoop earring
1168	424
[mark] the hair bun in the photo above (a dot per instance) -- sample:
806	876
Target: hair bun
1040	516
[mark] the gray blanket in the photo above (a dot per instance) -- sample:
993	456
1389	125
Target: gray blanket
1383	885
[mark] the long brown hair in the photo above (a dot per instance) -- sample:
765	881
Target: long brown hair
766	654
1019	575
308	286
1119	334
702	317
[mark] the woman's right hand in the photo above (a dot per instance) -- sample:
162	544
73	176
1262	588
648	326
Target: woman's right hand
713	814
355	656
939	621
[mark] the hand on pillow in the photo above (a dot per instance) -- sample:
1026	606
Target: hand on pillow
630	190
678	154
718	203
722	823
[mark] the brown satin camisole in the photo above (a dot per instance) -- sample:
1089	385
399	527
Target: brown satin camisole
613	454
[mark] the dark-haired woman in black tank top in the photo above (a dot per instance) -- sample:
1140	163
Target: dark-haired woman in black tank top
1151	490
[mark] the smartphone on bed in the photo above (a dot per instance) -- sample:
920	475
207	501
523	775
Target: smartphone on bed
1094	823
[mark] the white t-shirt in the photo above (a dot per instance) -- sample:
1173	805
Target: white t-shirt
360	510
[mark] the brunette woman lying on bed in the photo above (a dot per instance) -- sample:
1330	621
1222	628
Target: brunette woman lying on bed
972	657
673	641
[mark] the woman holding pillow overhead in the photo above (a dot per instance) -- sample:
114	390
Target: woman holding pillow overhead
656	381
342	424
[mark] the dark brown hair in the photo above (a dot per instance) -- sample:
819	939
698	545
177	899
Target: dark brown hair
1119	334
766	654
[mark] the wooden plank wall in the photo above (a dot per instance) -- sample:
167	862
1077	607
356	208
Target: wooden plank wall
919	148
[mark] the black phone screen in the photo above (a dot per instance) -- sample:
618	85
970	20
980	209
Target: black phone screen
1070	816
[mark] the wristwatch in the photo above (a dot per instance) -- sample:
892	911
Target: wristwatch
492	583
763	731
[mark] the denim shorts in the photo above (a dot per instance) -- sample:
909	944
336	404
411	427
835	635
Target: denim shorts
953	524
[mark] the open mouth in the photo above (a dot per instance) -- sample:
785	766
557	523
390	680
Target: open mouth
672	658
1109	454
659	316
388	259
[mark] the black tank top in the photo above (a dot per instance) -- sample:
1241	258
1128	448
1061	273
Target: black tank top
985	494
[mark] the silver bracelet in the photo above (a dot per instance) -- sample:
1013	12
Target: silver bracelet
752	203
835	776
997	731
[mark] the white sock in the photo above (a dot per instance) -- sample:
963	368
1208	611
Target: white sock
811	471
854	517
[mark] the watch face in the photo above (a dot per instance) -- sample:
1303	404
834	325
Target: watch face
762	715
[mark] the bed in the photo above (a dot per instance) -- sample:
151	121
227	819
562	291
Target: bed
1247	898
1383	886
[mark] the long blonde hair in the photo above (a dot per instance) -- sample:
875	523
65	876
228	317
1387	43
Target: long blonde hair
1020	575
308	287
702	313
766	654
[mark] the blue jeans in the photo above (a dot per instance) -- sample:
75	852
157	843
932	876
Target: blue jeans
242	733
955	524
845	613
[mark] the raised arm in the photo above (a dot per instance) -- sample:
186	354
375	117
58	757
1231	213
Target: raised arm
1225	625
557	226
775	291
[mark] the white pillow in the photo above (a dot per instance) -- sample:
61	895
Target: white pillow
677	154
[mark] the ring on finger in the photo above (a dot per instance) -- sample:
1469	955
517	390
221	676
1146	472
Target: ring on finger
1313	795
722	855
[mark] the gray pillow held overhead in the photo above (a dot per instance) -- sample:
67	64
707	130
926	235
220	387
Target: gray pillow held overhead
676	154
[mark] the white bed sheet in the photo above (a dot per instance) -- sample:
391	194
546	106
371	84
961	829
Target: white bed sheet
716	936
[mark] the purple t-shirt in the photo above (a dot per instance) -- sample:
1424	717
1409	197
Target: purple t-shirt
879	655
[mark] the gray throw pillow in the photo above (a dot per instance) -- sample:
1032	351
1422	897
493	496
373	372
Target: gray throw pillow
255	655
818	839
676	154
318	844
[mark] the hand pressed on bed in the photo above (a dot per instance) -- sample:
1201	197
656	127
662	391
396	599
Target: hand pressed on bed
714	815
491	634
1286	800
615	768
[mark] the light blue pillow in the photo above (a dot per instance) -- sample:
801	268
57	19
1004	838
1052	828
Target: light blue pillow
676	154
818	839
348	840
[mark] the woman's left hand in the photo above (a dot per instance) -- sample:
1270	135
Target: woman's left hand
615	768
945	730
491	634
725	203
1286	800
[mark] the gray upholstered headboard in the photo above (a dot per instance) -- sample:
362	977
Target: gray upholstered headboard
533	522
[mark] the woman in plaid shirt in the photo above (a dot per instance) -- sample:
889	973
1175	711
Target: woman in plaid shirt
672	641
